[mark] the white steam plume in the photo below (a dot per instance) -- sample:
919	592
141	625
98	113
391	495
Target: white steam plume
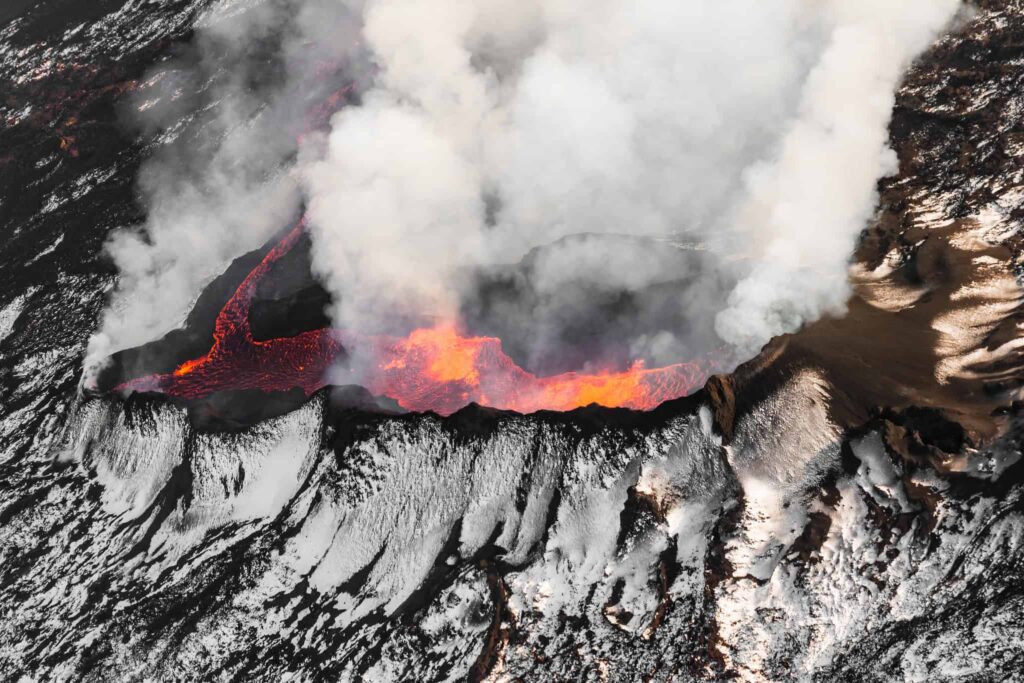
803	209
757	127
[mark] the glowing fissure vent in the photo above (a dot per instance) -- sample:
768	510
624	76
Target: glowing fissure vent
434	368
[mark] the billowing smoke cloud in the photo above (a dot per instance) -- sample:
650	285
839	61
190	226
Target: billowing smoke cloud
758	128
738	141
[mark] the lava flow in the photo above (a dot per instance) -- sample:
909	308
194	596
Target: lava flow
435	368
238	361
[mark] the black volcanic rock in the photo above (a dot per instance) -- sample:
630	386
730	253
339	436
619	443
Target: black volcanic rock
291	300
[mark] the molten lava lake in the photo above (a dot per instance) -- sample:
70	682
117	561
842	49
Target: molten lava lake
438	368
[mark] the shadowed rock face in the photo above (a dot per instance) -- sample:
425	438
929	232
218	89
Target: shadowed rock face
845	506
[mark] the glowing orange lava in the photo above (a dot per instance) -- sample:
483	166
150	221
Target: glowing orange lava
436	368
439	369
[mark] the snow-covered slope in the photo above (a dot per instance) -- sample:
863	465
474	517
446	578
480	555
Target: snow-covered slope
847	506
